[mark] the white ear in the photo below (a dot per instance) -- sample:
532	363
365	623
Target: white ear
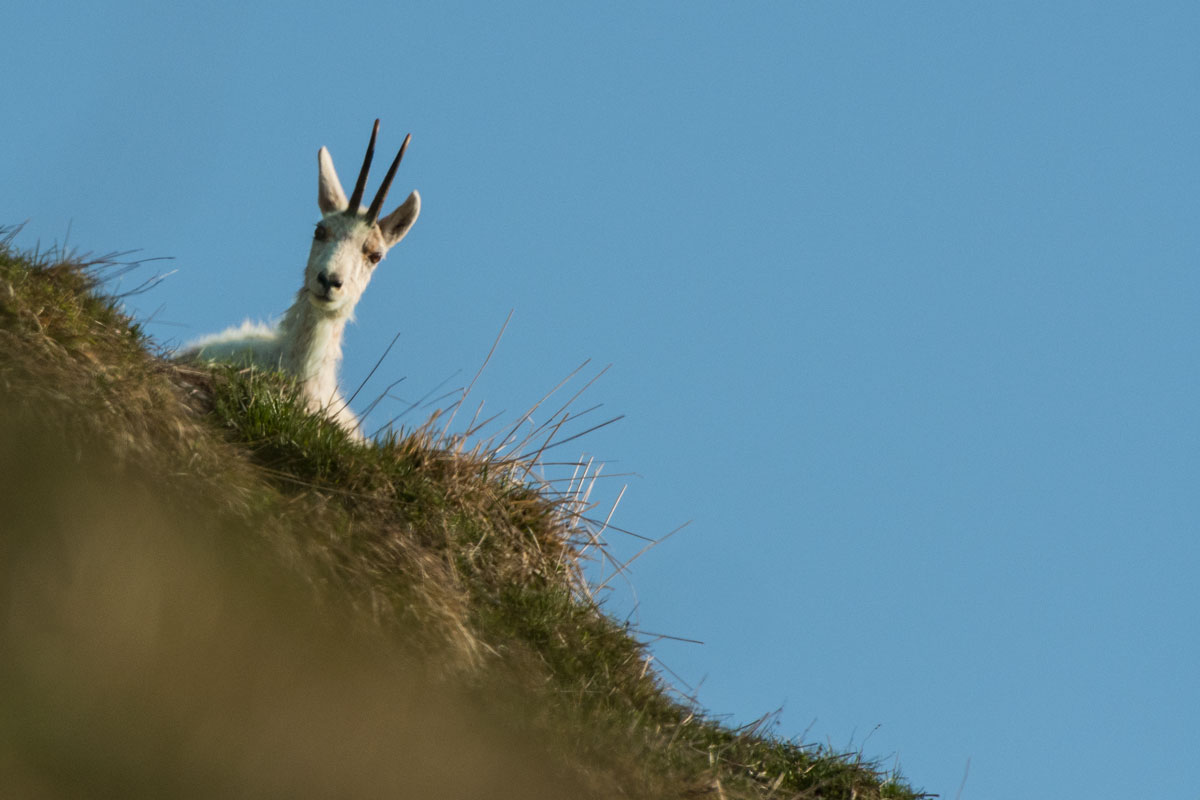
396	224
330	196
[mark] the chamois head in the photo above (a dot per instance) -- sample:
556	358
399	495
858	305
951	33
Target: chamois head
350	240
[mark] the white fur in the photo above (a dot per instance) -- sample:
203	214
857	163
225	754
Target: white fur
307	342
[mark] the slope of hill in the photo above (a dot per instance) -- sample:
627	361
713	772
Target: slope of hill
208	592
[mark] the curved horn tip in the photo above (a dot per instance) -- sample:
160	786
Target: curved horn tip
381	195
361	183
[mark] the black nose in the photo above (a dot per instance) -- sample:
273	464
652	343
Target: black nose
328	282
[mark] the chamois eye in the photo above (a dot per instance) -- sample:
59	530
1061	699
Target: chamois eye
321	234
374	258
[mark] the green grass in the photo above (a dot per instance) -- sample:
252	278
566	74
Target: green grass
210	591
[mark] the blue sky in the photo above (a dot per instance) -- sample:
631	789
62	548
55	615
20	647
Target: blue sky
901	302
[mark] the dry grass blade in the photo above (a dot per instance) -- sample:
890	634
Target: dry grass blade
535	456
624	566
508	437
482	367
370	374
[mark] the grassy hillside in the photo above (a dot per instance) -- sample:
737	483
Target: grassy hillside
207	592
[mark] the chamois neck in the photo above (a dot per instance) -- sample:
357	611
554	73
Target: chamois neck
312	344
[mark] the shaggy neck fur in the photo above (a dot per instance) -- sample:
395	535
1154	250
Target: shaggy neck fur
312	351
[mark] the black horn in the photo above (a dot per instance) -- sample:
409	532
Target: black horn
356	198
377	203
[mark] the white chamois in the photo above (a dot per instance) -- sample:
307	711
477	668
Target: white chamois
307	343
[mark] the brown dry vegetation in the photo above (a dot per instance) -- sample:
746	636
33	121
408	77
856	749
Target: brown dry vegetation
207	592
